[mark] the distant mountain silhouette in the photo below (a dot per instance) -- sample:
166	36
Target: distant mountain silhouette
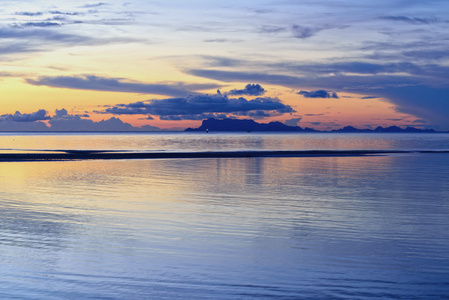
245	125
251	125
384	130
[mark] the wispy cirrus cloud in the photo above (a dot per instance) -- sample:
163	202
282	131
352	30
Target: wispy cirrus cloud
47	30
96	83
236	76
347	67
16	48
412	20
374	54
43	35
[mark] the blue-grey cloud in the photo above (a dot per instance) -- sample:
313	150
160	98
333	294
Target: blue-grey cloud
250	90
220	61
332	68
39	24
398	73
94	5
39	115
395	46
314	69
425	97
62	114
96	83
322	75
412	20
426	102
42	35
292	122
63	121
22	126
76	123
216	40
223	41
354	67
304	32
61	19
257	114
57	12
271	29
262	10
235	76
29	13
427	54
318	94
7	74
13	48
197	117
337	82
197	106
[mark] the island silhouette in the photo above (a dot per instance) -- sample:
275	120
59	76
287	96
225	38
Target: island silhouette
249	125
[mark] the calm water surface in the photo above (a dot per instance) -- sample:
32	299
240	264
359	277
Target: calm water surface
220	141
284	228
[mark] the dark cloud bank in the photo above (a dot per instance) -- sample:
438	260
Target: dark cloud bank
318	94
40	115
417	89
191	107
198	107
250	90
62	121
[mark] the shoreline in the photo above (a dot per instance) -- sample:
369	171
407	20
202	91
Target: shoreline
66	155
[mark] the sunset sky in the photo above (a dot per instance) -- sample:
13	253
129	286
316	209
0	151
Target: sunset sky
169	64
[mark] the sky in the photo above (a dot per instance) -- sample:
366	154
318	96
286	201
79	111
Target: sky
151	65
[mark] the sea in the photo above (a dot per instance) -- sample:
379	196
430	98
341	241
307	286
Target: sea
337	227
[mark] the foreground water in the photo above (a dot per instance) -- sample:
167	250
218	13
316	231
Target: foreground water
226	228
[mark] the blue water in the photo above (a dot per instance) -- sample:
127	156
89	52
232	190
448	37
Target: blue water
228	228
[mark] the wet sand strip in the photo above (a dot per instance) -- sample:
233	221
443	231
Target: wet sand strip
107	155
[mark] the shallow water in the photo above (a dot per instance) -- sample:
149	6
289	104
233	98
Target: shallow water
240	228
177	141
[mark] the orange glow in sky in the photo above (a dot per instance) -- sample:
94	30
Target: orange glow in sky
160	64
